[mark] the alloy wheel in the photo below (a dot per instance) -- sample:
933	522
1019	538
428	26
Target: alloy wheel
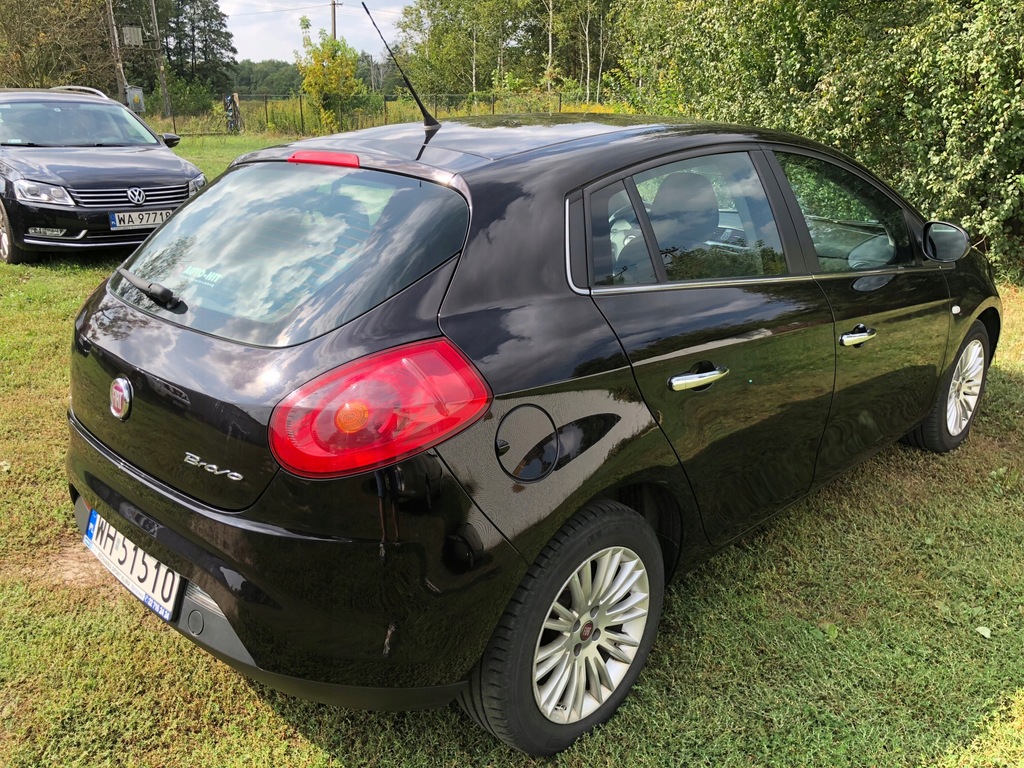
965	388
591	635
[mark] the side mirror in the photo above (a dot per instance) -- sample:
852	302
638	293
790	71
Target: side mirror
945	242
170	139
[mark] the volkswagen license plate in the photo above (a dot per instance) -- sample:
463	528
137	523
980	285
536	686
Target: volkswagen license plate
147	578
138	219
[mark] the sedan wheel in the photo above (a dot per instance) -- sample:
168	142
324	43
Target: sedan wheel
575	634
9	252
949	421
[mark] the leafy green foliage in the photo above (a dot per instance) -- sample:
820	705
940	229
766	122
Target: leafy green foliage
328	69
54	42
267	77
927	93
188	97
464	46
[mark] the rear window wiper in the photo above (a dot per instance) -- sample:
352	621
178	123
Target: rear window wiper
161	294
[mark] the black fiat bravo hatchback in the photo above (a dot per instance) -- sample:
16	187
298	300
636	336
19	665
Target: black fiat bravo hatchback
395	417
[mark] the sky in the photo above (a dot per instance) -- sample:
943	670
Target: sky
269	29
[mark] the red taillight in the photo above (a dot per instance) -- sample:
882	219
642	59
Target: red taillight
343	159
377	410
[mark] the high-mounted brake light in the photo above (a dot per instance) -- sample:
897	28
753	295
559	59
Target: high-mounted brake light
377	410
344	159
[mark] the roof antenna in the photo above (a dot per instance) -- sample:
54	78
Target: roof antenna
429	123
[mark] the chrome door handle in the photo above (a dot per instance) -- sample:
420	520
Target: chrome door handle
695	380
857	336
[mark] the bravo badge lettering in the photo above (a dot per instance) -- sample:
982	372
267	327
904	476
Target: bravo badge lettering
195	461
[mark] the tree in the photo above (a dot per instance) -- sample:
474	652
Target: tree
378	75
267	77
140	64
328	69
458	46
199	44
55	42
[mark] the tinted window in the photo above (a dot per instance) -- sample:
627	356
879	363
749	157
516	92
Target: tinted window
70	124
710	216
620	253
853	224
712	219
277	253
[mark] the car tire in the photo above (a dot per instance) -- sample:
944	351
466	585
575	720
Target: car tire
960	392
558	664
10	253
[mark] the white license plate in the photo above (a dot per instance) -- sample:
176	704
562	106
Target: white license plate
138	219
147	578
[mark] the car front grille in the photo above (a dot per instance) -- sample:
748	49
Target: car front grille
169	197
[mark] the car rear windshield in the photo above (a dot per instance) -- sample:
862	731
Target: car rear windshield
275	254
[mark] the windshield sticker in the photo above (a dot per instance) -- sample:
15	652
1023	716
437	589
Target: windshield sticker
204	276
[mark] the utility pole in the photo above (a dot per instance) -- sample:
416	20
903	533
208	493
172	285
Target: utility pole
335	5
122	83
160	60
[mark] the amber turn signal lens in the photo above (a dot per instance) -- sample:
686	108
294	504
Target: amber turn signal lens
352	417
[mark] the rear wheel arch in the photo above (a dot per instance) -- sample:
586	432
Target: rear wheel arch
662	512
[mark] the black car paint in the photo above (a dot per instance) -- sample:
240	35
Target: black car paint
395	579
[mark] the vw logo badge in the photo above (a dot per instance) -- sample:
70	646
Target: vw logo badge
136	195
121	398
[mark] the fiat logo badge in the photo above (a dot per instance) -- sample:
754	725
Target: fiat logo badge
121	398
136	195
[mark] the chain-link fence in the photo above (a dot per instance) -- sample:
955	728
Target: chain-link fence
298	115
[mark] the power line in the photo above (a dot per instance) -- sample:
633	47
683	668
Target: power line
306	8
281	10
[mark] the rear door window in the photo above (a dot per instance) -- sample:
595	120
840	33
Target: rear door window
709	218
275	254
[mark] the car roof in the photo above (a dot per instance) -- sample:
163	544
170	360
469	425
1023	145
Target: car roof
464	145
59	94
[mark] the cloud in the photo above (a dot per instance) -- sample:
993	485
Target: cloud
265	30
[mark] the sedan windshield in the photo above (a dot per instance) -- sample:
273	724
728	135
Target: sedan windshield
70	124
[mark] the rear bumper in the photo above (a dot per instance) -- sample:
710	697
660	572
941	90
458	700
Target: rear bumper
362	624
201	621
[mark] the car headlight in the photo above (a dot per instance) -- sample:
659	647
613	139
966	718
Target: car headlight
37	192
194	185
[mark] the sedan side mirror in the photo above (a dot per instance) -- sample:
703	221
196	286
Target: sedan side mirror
945	242
170	139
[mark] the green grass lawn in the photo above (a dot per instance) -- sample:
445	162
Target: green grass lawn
213	153
878	622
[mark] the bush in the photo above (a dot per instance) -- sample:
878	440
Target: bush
928	93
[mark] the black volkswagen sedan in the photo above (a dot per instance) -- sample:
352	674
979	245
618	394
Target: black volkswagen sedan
397	417
79	170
